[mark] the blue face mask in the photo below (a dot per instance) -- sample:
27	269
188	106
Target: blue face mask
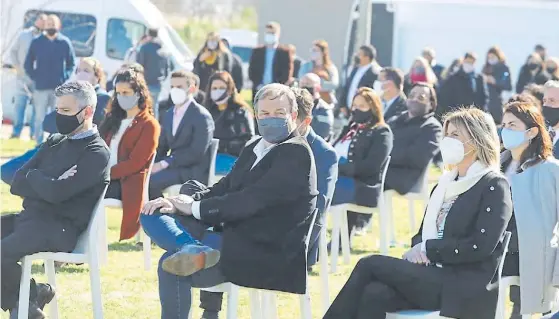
512	139
273	129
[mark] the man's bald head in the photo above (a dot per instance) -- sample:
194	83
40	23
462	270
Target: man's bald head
311	82
53	22
40	21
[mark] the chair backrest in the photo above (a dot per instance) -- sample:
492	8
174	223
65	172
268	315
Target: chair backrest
422	184
506	241
309	233
214	145
88	240
146	188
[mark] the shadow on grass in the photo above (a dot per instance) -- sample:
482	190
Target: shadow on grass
65	269
125	246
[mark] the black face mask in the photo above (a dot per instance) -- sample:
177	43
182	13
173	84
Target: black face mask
51	31
533	66
551	115
356	60
551	70
361	117
310	90
67	124
417	109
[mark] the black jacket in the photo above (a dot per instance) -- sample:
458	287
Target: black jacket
471	248
156	64
266	213
396	108
224	62
282	68
234	127
501	73
367	80
526	77
458	91
368	151
416	142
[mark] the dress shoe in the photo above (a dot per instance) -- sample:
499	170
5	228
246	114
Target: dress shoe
35	312
45	294
210	315
190	259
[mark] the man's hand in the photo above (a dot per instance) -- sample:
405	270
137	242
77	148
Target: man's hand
416	256
490	79
157	167
69	173
163	204
182	203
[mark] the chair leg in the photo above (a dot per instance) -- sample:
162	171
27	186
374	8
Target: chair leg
384	225
255	304
23	308
51	275
95	281
269	307
305	305
147	250
390	218
323	260
345	237
103	239
232	302
335	241
411	207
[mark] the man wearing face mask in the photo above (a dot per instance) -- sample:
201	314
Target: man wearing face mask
187	129
417	134
271	63
393	99
60	186
24	88
49	63
322	112
464	88
550	111
264	208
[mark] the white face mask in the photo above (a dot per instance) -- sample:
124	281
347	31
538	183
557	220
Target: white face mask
178	96
270	38
452	151
219	95
468	68
212	45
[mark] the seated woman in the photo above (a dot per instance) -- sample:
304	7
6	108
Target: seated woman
533	174
457	250
363	148
90	70
234	123
132	133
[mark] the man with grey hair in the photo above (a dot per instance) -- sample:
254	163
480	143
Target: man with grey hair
60	186
550	111
261	211
429	55
322	112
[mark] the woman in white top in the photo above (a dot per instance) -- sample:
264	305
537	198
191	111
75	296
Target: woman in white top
132	134
457	250
533	174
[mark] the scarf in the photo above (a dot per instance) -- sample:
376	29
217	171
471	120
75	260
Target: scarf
352	131
447	188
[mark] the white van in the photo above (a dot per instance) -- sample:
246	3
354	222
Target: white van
104	29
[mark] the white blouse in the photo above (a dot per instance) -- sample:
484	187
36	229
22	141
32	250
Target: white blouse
115	141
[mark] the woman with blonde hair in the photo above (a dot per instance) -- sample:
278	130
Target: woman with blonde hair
420	71
321	64
213	57
458	247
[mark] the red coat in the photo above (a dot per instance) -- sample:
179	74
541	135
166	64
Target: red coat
135	152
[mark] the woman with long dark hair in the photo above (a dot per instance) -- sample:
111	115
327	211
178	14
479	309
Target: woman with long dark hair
533	175
132	133
497	77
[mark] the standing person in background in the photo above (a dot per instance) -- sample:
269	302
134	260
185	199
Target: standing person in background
464	88
322	112
297	61
454	67
213	57
552	68
429	55
131	132
321	64
530	72
550	111
131	54
49	63
237	71
541	51
365	73
270	63
393	99
497	76
156	66
420	71
24	88
234	123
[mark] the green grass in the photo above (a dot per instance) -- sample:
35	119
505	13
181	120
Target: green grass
14	147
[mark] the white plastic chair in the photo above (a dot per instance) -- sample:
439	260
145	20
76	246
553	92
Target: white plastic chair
174	190
419	192
232	292
340	224
86	252
116	203
500	311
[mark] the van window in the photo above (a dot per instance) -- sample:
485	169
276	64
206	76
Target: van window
243	52
79	28
121	36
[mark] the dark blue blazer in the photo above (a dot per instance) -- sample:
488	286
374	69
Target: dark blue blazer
556	150
326	161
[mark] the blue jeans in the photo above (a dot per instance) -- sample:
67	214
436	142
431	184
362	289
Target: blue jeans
175	291
43	101
20	104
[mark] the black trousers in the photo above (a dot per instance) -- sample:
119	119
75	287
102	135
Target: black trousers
114	190
381	284
23	236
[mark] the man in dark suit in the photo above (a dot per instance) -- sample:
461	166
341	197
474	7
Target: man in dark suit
270	63
297	61
429	55
417	134
265	205
199	96
365	73
393	99
550	111
464	88
326	161
184	145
